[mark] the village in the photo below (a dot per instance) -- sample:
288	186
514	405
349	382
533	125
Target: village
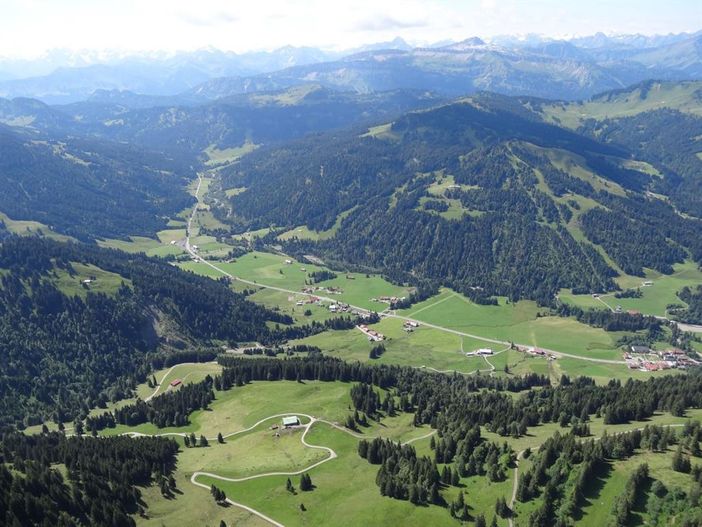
643	358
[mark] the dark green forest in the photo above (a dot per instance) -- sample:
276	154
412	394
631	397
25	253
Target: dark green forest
515	238
88	188
61	355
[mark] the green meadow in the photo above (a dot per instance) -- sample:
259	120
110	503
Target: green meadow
656	297
516	322
272	270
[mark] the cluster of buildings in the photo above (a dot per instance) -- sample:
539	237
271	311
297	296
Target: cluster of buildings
645	359
410	325
339	307
331	290
387	299
372	335
309	300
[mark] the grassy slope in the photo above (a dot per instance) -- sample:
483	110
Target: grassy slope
679	95
30	228
105	282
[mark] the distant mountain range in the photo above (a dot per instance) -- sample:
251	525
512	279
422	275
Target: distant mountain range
532	65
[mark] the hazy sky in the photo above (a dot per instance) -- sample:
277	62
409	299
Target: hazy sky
29	27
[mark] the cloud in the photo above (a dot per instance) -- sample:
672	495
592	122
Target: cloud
388	23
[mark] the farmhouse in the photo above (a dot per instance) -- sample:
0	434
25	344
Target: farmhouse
372	335
292	420
640	349
410	325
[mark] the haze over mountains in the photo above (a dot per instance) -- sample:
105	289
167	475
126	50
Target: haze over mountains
531	65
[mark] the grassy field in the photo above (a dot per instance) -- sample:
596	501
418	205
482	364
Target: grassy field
104	281
187	373
516	322
31	228
271	269
216	157
345	492
655	297
423	347
305	233
240	408
150	246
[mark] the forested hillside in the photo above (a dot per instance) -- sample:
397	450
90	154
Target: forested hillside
480	194
87	188
61	354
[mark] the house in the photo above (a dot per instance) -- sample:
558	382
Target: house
288	261
640	349
292	420
648	283
483	351
176	382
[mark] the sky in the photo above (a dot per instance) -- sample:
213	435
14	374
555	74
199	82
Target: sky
29	28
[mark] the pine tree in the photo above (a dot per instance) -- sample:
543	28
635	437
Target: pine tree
305	482
220	439
203	441
480	521
289	486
